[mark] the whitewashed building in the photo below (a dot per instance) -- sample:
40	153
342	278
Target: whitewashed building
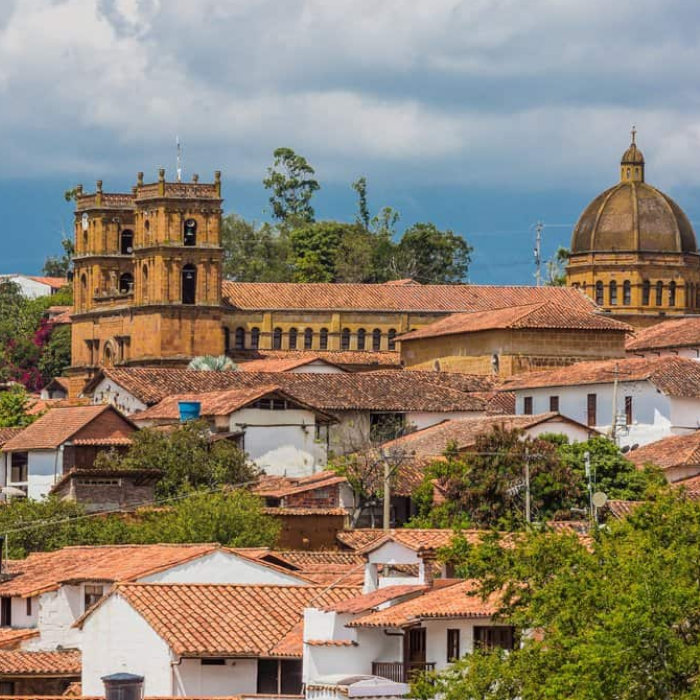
654	397
34	287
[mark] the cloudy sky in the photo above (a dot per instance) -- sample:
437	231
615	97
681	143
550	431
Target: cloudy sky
481	115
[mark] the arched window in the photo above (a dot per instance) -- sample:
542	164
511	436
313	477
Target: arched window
646	292
599	293
626	292
392	339
308	338
126	283
189	284
361	337
292	338
345	339
613	293
108	355
323	339
239	338
254	338
83	288
126	241
227	339
190	234
144	281
671	293
277	339
659	293
376	339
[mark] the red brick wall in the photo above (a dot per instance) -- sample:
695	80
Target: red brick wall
108	424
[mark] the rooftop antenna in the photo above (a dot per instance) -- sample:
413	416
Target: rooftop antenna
179	159
538	253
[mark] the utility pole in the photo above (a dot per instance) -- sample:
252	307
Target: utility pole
528	517
538	253
178	169
613	430
386	519
587	463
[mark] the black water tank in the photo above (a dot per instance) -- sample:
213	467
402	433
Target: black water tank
123	686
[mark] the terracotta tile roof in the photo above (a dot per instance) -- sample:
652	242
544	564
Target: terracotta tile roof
11	637
63	319
372	601
8	433
272	486
59	425
380	391
672	451
672	375
237	620
103	442
423	446
59	383
40	663
385	297
74	690
457	601
303	512
309	561
53	282
476	384
357	539
45	571
547	316
364	540
281	364
331	643
136	476
350	360
39	406
676	333
621	509
501	402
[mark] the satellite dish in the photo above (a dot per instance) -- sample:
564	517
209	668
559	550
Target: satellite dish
599	499
625	449
635	446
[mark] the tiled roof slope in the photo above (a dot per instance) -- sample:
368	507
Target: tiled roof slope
672	451
372	600
546	315
281	364
431	442
60	424
54	282
680	332
40	663
381	391
362	540
347	359
8	433
236	620
672	375
273	486
446	602
386	297
45	571
11	637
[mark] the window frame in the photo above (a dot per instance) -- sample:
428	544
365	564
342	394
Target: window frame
528	406
453	644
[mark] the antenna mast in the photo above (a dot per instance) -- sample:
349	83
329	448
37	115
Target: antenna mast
179	159
538	253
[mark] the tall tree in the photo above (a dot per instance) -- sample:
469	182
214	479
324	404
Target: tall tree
362	217
556	267
292	186
59	266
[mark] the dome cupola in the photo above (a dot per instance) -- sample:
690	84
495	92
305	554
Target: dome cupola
632	162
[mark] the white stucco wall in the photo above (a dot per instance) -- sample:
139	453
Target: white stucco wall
45	467
19	612
32	289
222	567
281	442
685	415
117	639
426	419
236	676
108	391
651	410
575	433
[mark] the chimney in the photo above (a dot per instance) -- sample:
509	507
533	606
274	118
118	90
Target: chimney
425	568
123	686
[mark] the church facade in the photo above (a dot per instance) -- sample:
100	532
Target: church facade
634	251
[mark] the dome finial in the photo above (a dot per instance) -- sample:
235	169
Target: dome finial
634	135
632	162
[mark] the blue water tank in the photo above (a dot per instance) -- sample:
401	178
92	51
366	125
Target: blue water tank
189	410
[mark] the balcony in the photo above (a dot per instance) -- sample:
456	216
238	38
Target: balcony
399	672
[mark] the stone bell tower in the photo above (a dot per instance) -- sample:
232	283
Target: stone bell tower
147	281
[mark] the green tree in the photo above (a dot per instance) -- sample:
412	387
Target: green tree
186	458
431	256
56	355
556	267
616	616
315	250
14	406
59	266
254	253
363	216
292	186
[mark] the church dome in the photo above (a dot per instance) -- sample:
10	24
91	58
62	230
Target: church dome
633	216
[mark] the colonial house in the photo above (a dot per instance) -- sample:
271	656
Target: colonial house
202	640
514	339
38	673
42	596
679	337
36	459
34	287
654	397
278	432
322	490
678	456
368	406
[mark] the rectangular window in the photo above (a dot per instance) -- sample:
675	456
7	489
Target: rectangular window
214	661
591	409
29	607
5	611
19	467
92	595
452	645
527	405
494	637
628	410
386	426
7	687
554	404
